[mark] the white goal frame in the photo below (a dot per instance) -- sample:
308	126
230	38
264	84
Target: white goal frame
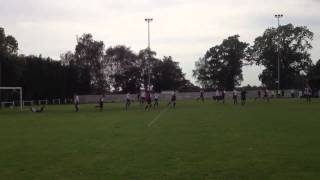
15	88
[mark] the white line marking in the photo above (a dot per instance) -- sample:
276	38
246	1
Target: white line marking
157	117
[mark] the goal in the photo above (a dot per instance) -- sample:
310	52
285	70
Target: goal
13	92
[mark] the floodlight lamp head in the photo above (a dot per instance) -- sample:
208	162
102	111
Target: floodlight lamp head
148	19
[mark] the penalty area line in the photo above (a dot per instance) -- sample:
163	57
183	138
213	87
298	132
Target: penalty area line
154	120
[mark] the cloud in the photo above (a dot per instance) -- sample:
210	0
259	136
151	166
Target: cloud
184	29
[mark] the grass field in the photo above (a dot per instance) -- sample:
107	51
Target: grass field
276	140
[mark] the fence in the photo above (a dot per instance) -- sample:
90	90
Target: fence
180	96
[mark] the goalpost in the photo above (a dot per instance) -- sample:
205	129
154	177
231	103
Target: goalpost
14	89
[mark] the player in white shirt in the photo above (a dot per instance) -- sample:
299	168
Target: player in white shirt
142	97
128	100
76	102
235	96
300	94
272	94
292	93
279	93
217	95
223	96
156	100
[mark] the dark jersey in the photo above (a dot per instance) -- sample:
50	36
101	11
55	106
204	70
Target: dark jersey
173	98
243	94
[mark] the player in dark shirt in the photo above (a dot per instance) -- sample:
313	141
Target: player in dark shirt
148	100
101	101
243	97
173	100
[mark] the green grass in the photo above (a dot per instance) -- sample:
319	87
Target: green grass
276	140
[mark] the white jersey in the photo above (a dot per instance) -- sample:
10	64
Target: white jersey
76	99
143	94
156	96
128	97
217	93
235	92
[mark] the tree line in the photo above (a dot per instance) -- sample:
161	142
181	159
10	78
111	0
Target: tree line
89	69
221	66
93	69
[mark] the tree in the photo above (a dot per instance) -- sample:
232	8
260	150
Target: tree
167	75
89	54
147	61
221	66
314	75
8	47
294	45
122	66
8	44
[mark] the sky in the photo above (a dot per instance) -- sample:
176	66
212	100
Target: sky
183	29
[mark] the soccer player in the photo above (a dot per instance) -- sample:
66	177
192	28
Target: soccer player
148	100
235	96
201	96
223	96
243	97
101	101
308	93
173	100
279	93
292	93
300	94
266	95
217	95
272	94
156	100
76	103
128	100
37	110
142	97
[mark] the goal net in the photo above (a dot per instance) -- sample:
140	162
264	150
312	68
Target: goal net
11	97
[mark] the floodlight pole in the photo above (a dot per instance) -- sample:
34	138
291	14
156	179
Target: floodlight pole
278	16
149	20
0	81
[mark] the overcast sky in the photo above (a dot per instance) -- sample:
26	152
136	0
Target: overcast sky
183	29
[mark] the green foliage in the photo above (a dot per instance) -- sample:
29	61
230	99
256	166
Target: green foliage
221	66
8	44
44	78
89	54
294	44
